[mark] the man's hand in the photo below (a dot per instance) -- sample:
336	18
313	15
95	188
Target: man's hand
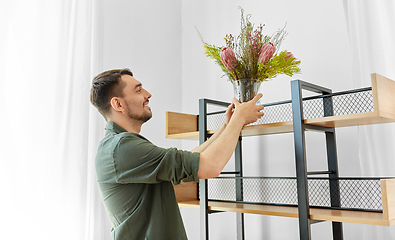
229	113
248	112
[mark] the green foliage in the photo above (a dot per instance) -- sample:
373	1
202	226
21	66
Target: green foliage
279	64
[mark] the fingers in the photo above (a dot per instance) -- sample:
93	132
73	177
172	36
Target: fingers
229	113
259	108
257	97
230	110
235	102
231	106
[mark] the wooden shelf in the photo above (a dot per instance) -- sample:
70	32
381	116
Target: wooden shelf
184	126
371	218
186	194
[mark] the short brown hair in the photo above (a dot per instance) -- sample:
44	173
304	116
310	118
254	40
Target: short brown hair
105	86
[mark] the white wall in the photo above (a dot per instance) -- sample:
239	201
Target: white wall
145	36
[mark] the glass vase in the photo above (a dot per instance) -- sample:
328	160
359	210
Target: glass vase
246	89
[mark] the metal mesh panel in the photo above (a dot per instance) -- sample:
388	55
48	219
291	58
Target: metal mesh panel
364	194
214	121
344	104
313	107
361	194
276	113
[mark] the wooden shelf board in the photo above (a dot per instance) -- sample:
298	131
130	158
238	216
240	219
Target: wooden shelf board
360	217
252	130
269	128
286	127
350	120
186	136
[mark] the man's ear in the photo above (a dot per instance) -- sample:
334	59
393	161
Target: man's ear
116	104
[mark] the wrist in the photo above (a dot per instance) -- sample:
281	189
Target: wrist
236	122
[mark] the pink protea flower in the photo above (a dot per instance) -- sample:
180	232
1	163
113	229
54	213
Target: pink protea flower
228	58
267	52
290	55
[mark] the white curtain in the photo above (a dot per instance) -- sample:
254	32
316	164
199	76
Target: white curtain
372	33
49	52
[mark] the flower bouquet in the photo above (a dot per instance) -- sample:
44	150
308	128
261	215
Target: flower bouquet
251	58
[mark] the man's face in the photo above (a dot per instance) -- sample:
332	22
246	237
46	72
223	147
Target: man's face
136	99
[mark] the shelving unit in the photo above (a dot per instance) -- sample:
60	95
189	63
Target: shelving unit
323	112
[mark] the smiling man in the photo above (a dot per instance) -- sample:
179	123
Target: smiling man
135	176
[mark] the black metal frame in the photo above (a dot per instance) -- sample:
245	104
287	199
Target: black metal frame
300	156
203	188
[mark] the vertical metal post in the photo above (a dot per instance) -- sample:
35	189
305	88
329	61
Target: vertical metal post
239	189
337	227
300	158
204	224
203	183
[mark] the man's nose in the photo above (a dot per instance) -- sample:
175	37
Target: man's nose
148	94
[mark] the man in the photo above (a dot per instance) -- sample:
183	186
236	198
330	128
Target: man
135	176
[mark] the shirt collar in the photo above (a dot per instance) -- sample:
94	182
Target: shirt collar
112	126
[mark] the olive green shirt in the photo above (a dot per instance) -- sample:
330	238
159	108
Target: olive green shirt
135	179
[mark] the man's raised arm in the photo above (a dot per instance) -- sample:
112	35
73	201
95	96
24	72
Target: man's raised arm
217	153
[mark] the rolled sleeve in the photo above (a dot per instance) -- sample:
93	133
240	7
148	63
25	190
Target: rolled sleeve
137	160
